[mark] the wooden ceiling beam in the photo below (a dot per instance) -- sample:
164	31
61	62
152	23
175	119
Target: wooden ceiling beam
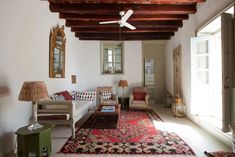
95	17
170	24
123	30
162	34
153	19
124	38
129	1
114	8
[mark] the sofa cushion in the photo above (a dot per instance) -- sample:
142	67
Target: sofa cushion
66	95
57	97
109	102
139	95
74	95
106	95
86	96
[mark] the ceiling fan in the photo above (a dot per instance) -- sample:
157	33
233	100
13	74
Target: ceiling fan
122	22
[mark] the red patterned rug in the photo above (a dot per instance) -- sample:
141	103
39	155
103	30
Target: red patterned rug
135	134
219	154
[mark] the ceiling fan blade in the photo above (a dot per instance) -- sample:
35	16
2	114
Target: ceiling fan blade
108	22
127	15
128	25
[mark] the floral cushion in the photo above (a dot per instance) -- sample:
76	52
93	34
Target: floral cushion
106	95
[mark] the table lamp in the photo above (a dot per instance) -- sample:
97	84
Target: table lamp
123	84
33	91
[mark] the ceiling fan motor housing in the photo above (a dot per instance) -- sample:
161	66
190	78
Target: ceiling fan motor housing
121	13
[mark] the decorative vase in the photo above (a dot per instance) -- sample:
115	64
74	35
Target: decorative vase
178	107
168	100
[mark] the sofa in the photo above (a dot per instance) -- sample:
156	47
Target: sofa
66	109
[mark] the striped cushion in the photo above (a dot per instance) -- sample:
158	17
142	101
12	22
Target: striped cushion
57	97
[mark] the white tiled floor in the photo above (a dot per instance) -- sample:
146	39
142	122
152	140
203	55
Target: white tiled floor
198	139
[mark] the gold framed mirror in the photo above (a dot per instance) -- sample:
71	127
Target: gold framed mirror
57	53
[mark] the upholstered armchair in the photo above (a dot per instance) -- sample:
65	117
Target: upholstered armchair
139	98
106	95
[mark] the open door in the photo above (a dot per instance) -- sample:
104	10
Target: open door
227	35
201	48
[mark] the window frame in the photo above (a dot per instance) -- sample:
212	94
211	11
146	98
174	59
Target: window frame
111	45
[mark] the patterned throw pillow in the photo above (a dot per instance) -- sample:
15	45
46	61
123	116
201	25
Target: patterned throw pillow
86	96
139	95
66	95
106	95
74	95
57	97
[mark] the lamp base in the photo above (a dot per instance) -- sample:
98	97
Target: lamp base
34	126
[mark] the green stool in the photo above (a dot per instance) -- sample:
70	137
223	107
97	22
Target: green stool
35	143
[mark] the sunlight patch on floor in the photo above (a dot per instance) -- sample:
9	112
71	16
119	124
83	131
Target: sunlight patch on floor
173	127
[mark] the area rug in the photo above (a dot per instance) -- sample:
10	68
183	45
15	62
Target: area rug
135	134
219	154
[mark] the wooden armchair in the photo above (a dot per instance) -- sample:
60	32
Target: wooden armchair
139	98
106	95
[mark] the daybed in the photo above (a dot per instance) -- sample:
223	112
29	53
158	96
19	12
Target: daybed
66	111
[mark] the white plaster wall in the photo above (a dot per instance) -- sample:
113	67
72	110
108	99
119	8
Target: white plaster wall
24	51
89	72
205	11
24	55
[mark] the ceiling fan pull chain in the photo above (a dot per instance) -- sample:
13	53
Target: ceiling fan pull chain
120	33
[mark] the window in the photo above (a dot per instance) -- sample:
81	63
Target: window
202	66
112	54
202	73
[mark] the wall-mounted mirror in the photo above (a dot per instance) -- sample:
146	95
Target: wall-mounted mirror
57	53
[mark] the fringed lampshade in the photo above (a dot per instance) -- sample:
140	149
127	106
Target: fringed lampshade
123	84
33	91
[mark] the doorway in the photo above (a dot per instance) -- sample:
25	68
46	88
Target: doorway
212	71
154	70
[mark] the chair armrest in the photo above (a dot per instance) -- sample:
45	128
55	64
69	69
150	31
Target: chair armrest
101	99
131	98
114	96
146	97
146	100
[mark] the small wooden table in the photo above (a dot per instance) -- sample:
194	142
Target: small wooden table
106	120
124	101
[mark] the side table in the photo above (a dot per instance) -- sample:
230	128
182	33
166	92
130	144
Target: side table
124	101
35	143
